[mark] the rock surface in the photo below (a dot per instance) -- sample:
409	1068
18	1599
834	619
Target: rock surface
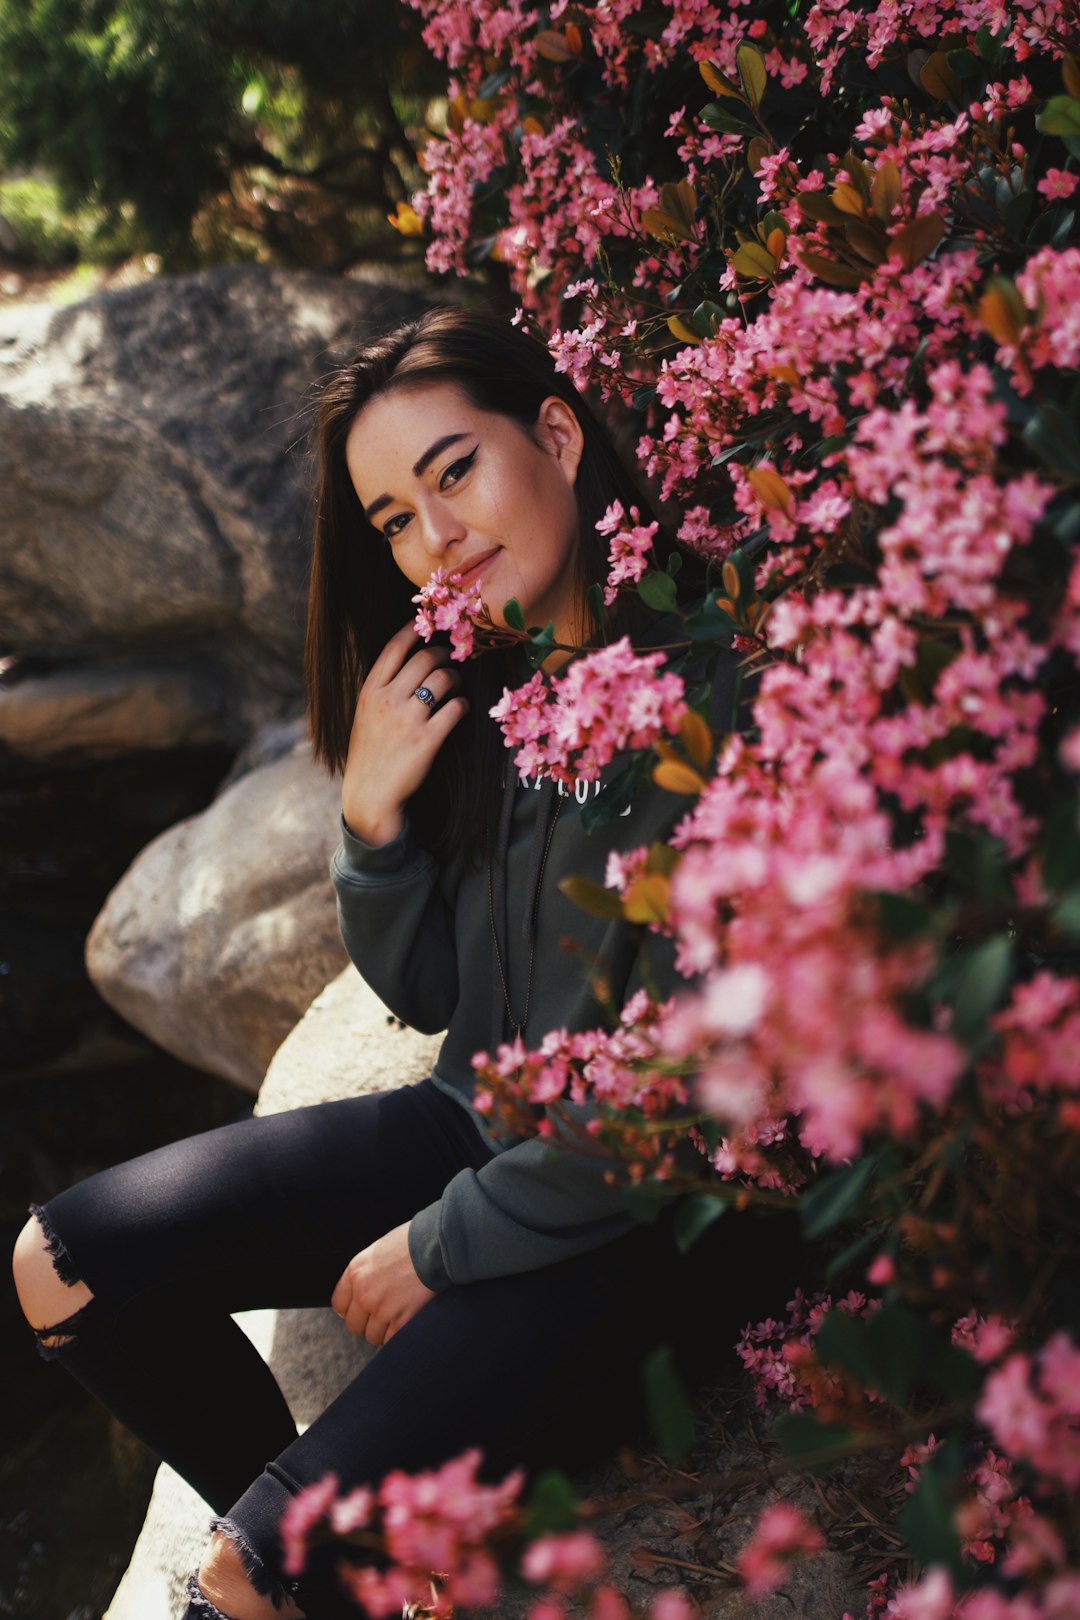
224	927
99	713
153	500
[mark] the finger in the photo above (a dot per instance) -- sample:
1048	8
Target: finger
441	683
421	664
357	1321
398	649
341	1298
445	718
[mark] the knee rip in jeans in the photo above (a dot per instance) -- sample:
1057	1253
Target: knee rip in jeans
58	1335
281	1593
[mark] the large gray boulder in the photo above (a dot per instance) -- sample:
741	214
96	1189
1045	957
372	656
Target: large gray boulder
153	492
224	927
102	712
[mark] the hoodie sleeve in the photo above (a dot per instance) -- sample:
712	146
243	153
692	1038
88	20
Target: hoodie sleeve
530	1206
398	926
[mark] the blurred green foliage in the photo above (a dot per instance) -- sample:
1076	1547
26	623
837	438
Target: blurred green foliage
211	129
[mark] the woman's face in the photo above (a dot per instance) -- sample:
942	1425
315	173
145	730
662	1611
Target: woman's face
450	486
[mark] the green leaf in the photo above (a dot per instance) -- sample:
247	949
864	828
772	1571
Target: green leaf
977	864
657	591
951	1372
903	918
1052	435
718	118
851	1252
552	1506
963	63
646	1207
1017	212
598	608
883	1353
642	398
540	645
986	42
709	624
591	897
1061	846
600	808
753	76
745	570
1067	914
670	1412
1060	116
836	1196
494	83
801	1436
706	318
513	614
693	1216
674	563
927	1519
982	980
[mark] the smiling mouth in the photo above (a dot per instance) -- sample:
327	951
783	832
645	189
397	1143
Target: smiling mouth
472	570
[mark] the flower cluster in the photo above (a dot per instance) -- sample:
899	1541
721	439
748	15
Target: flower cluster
782	1534
1033	1409
606	702
443	604
438	1521
827	257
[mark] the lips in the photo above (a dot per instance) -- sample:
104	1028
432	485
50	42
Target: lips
472	569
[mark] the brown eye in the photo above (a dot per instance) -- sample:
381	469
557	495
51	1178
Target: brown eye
459	467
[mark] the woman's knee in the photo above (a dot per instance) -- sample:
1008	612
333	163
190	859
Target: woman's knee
48	1299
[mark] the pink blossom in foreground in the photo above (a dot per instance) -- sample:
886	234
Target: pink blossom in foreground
444	605
782	1534
607	701
305	1510
438	1520
1032	1407
564	1562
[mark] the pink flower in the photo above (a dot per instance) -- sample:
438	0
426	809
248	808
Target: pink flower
607	701
881	1271
629	547
444	605
1058	183
782	1534
672	1604
564	1561
931	1598
304	1511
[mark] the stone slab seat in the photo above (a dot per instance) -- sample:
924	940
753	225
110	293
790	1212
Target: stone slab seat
345	1044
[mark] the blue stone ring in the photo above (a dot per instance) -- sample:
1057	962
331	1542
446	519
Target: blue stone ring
426	695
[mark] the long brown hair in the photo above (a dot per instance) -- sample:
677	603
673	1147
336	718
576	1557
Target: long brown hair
357	596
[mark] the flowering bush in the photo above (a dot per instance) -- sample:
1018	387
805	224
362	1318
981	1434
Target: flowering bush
828	254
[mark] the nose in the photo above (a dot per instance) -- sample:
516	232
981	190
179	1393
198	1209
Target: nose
440	526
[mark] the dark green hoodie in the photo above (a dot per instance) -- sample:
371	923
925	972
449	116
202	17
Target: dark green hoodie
421	936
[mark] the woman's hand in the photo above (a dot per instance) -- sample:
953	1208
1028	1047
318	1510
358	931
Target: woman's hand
395	736
379	1291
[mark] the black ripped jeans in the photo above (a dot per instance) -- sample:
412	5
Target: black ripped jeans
537	1369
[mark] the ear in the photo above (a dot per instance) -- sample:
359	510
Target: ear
560	433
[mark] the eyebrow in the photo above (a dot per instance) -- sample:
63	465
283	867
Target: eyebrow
421	466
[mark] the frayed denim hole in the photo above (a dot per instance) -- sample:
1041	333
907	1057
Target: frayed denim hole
254	1568
53	1340
63	1264
199	1605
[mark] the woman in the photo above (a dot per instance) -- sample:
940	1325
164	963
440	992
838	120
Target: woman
512	1292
